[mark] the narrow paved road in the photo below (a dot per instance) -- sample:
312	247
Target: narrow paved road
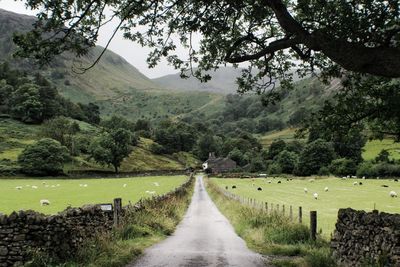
203	238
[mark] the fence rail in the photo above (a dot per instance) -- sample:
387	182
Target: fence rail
263	206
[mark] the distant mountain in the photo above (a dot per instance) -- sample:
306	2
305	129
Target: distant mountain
223	81
111	77
114	84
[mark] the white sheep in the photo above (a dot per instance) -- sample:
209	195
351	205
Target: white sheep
53	186
18	187
80	185
124	185
85	185
305	190
326	189
269	181
58	185
393	194
354	177
355	183
44	202
312	180
344	178
151	192
156	184
315	195
34	187
363	177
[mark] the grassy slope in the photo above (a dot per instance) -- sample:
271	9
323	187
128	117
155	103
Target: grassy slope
69	192
341	194
113	83
287	135
15	136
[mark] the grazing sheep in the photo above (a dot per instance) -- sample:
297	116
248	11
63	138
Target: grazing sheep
156	184
58	185
363	177
259	189
27	185
85	185
315	195
287	180
124	185
312	180
355	183
360	183
269	181
393	194
80	185
34	187
305	190
18	187
326	189
44	202
279	182
151	192
344	178
396	180
354	177
384	185
233	186
53	186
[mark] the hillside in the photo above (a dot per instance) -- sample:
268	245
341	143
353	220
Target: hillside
15	136
114	84
223	81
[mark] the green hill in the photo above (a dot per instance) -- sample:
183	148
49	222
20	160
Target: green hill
15	136
114	84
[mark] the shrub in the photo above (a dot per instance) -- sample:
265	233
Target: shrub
323	171
287	161
157	149
46	157
343	166
274	168
369	169
315	155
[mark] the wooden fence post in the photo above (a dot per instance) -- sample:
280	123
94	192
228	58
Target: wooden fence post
300	215
313	224
117	211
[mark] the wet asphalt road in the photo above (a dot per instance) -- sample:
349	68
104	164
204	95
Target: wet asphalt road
203	238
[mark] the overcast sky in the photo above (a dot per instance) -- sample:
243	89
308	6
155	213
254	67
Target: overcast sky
133	53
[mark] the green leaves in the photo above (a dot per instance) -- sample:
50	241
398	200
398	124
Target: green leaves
46	157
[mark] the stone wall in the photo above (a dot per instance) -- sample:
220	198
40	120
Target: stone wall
60	236
366	237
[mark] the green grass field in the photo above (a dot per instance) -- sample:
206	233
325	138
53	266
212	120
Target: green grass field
341	194
64	192
374	147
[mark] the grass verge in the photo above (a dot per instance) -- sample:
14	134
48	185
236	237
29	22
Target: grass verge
288	243
139	230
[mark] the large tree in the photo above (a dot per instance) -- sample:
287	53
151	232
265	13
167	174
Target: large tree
272	35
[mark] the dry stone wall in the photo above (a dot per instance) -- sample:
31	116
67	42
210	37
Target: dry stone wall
366	237
60	236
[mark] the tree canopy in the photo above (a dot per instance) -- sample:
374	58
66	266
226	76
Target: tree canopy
273	36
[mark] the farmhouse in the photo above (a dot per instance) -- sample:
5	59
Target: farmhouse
218	165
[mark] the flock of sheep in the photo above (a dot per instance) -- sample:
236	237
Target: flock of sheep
46	202
326	189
